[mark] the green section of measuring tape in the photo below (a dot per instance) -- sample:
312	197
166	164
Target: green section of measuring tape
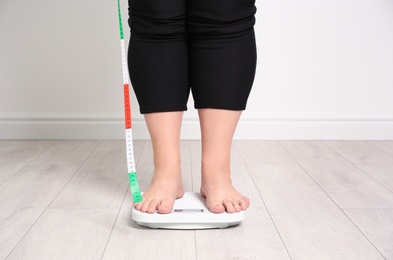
136	193
120	21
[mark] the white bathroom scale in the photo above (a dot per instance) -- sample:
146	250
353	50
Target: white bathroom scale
189	212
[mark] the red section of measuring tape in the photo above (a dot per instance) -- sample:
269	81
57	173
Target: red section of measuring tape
127	108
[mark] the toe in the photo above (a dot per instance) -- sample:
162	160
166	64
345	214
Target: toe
244	203
152	207
247	201
165	207
145	206
229	206
216	207
138	206
237	206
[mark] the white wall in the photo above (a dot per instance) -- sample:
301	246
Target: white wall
325	71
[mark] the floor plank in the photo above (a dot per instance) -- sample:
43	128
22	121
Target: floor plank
255	238
377	226
269	152
14	155
100	183
382	173
25	196
66	153
386	145
360	152
67	234
345	183
309	200
309	222
3	142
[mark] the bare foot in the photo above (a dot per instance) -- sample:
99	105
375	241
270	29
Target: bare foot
221	197
161	194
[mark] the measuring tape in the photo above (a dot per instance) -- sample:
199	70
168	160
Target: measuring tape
134	186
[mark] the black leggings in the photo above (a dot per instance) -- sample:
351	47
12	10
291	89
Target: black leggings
207	46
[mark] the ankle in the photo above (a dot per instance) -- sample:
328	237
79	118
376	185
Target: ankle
216	172
165	162
169	173
215	178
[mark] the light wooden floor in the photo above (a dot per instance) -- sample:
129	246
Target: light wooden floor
310	200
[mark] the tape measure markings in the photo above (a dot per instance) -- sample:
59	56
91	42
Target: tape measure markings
132	176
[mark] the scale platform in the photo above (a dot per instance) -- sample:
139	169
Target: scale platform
189	212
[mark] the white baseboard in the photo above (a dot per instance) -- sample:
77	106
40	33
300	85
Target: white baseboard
112	127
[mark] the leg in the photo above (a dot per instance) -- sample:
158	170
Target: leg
166	186
158	64
218	127
222	70
158	54
222	52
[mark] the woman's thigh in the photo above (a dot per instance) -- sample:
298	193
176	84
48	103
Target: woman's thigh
222	52
158	54
208	44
